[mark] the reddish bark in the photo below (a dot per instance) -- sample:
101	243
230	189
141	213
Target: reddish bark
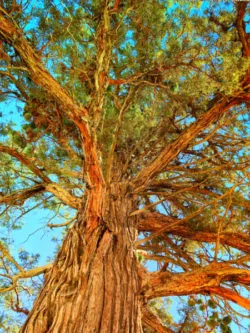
116	81
230	295
172	151
40	76
200	280
241	6
155	222
94	285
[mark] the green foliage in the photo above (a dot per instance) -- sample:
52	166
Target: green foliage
206	313
161	308
169	63
211	304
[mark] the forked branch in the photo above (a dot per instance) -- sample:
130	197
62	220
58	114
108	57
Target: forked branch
172	151
25	275
20	196
12	35
218	108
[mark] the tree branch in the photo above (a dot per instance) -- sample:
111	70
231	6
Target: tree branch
172	150
230	295
12	35
198	281
18	197
16	82
160	187
240	24
122	110
103	45
154	222
64	195
6	254
168	228
26	161
64	224
49	186
25	275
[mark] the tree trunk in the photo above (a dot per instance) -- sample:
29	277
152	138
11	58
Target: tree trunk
94	285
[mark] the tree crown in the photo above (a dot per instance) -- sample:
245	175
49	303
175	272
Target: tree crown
153	94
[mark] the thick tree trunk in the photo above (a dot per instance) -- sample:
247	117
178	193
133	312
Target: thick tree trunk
94	284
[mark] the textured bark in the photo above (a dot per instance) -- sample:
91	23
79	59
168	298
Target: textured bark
154	222
94	284
203	280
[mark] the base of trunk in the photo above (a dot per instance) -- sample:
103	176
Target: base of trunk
94	285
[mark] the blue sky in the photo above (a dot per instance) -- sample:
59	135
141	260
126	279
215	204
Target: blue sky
34	236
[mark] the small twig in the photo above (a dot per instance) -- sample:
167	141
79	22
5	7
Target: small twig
50	225
10	258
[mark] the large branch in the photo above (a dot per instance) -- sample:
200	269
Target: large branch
48	185
172	151
236	240
168	228
165	188
205	120
230	295
154	222
62	194
199	281
19	197
241	27
12	35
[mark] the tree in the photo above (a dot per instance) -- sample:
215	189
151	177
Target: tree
134	116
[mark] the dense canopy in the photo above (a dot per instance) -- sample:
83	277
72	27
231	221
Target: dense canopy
125	122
